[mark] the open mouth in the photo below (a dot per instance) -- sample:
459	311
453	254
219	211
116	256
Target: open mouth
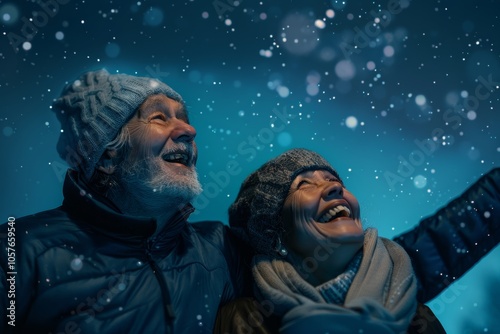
180	158
334	213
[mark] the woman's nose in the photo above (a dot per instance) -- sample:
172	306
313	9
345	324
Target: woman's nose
333	190
183	132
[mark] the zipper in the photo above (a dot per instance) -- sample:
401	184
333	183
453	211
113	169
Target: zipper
167	302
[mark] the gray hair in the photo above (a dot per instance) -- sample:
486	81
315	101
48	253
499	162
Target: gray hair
102	182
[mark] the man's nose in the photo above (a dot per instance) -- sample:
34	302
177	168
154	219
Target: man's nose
183	131
333	190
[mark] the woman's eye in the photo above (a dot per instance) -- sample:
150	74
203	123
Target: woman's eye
302	183
334	179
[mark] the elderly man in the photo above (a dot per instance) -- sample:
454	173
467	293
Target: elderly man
118	255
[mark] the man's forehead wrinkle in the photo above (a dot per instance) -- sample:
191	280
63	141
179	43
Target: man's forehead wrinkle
151	105
156	104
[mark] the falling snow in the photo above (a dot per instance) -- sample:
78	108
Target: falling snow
413	94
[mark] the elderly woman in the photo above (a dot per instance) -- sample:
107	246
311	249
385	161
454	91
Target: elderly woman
316	269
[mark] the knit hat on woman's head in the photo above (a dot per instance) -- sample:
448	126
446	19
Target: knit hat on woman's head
93	109
257	210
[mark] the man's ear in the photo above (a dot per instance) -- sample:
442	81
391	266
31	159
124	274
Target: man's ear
107	163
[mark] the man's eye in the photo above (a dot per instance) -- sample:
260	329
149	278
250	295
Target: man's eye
160	117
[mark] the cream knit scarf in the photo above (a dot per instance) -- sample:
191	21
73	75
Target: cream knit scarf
380	299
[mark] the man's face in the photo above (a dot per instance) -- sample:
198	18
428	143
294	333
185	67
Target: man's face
319	210
161	159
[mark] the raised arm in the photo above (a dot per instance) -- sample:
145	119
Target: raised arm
447	244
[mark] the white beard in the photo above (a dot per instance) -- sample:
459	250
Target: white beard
153	184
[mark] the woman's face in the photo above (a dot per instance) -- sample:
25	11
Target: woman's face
319	212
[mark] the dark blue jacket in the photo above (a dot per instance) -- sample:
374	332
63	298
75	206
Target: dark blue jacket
84	268
447	244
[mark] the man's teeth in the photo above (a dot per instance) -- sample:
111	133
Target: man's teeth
176	157
338	211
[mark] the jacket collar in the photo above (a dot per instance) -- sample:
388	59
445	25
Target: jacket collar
96	211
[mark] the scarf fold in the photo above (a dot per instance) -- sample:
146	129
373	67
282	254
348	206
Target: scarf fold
335	290
380	299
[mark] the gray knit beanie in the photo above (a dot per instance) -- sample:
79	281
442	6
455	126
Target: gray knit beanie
256	212
93	109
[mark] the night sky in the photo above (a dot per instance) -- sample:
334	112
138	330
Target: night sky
402	97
